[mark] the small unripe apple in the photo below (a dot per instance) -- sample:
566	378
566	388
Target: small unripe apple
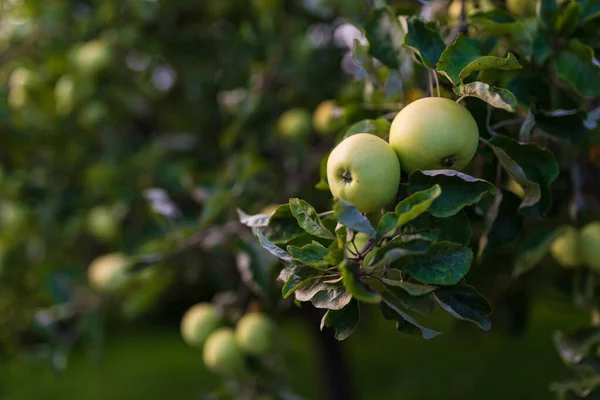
364	170
294	124
434	133
255	333
198	323
589	245
327	117
102	222
64	95
565	248
222	354
108	273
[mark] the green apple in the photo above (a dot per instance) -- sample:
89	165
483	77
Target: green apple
64	95
434	133
364	170
198	323
294	124
589	245
222	354
93	56
521	8
102	222
109	273
21	82
255	333
565	248
327	117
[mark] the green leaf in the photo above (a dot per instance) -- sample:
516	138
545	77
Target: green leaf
533	167
404	322
456	229
323	295
349	216
521	34
567	126
532	250
503	223
464	302
425	40
283	227
575	65
256	267
295	277
547	11
308	219
386	226
354	284
494	96
464	56
458	190
568	17
392	255
343	321
416	204
253	221
272	248
414	289
444	263
573	348
311	254
379	127
590	9
385	36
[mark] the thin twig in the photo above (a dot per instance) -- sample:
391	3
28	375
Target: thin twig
437	82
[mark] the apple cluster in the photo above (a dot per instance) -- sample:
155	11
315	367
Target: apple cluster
429	133
225	348
574	247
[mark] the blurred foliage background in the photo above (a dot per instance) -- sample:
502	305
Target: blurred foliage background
128	126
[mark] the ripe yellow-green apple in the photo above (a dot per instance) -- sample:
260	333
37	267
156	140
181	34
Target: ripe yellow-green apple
565	248
255	333
360	241
589	245
222	354
521	8
434	133
198	322
108	273
93	56
327	117
294	124
364	170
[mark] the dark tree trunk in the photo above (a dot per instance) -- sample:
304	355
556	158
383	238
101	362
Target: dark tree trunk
335	380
